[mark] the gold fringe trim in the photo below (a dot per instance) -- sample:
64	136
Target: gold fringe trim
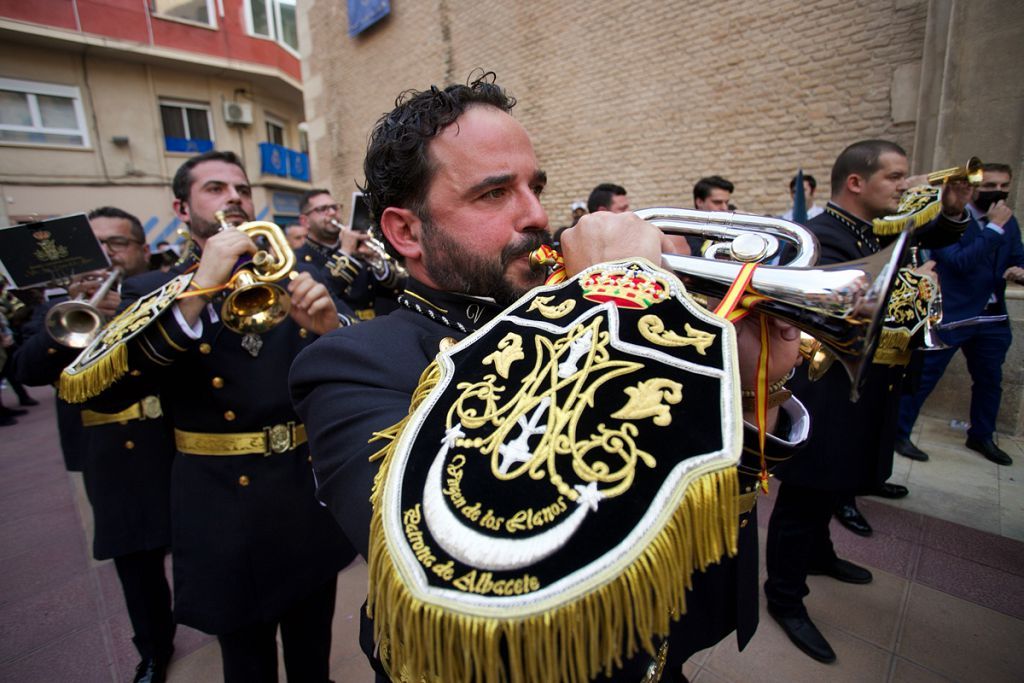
894	225
96	377
572	643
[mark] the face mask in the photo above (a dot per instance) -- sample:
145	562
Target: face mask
987	198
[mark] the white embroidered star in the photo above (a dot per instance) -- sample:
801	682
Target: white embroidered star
589	495
452	434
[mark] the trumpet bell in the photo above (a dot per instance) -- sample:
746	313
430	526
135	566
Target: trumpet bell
254	307
970	172
74	323
256	304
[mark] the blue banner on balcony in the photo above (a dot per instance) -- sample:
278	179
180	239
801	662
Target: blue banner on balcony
362	14
298	165
187	145
273	159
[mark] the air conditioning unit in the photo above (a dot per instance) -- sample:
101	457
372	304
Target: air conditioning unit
238	113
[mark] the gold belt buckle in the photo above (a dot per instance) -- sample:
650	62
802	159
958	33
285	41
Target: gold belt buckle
151	408
279	438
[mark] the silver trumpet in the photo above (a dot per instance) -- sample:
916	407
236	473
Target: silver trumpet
841	305
77	322
378	257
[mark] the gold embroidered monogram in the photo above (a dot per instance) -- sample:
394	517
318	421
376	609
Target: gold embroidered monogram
553	484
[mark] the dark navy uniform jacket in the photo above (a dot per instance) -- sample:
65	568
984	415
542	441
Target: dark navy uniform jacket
359	380
971	271
126	467
350	281
249	538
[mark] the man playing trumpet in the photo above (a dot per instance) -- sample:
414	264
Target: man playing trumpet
462	211
354	272
253	550
125	459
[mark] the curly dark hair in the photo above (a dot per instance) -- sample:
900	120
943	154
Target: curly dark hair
397	167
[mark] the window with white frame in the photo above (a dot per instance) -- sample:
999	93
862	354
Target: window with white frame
274	19
34	113
275	131
188	127
199	11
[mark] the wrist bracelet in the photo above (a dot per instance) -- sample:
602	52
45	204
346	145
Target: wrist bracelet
773	387
775	399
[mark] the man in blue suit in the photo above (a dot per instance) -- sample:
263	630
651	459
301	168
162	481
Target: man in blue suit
973	273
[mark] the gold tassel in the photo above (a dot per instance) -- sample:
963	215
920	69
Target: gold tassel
420	642
894	225
94	379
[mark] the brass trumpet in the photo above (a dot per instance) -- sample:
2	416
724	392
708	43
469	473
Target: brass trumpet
76	323
841	305
256	303
379	258
971	172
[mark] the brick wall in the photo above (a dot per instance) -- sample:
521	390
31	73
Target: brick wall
651	97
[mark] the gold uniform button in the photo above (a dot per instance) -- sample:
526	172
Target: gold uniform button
303	332
51	351
308	258
743	524
243	480
129	444
217	382
229	415
309	458
205	348
136	373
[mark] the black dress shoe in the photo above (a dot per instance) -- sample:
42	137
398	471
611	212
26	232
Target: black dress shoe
909	450
7	421
12	412
887	490
844	571
850	517
806	636
151	671
989	450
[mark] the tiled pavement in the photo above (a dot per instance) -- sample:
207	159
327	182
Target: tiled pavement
947	602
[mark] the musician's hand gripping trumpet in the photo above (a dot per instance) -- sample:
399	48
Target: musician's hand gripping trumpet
256	303
841	305
76	323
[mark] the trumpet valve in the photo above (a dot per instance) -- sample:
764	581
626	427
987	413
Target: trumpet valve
751	247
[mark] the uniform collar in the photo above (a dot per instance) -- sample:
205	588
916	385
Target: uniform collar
860	228
458	311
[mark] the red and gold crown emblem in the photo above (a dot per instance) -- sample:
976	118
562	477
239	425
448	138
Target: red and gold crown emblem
630	287
41	235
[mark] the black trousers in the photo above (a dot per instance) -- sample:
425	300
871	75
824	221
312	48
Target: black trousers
148	598
250	654
798	539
